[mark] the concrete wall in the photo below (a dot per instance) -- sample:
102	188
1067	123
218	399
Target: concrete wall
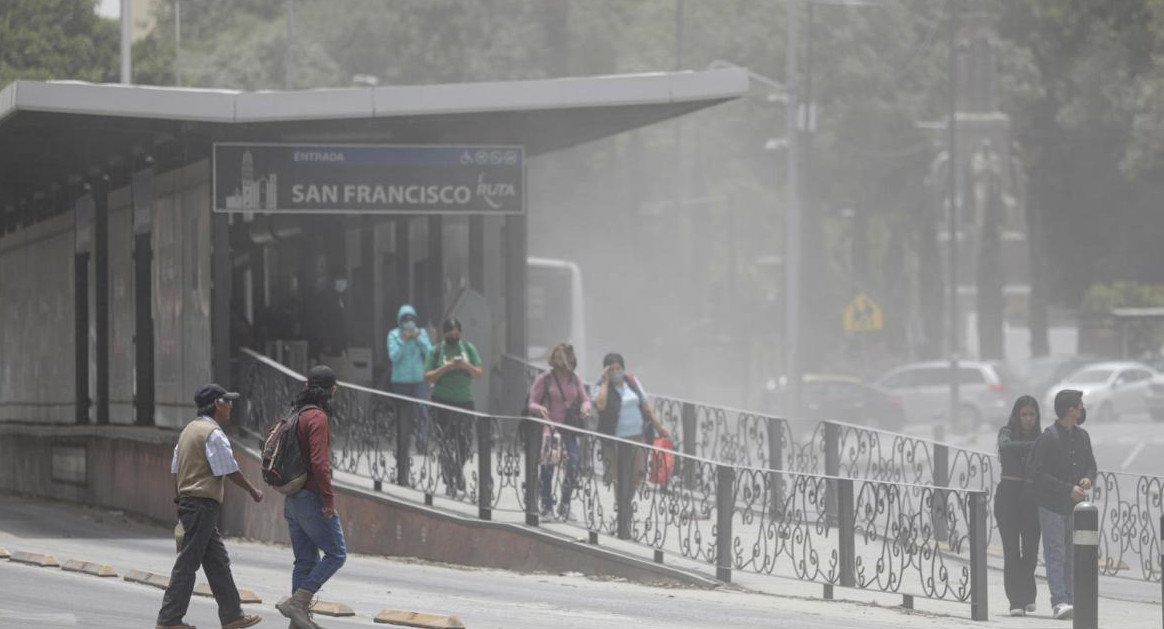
37	323
127	468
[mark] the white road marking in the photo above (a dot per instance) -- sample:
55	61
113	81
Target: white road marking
1128	440
1132	455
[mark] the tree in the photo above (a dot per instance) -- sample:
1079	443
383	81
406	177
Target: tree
56	39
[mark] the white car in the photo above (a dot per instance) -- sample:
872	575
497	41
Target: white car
1110	390
987	390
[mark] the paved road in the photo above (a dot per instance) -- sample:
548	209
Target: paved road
47	597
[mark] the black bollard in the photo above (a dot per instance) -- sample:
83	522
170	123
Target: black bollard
1085	527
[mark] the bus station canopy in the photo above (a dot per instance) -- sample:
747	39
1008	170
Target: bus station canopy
54	131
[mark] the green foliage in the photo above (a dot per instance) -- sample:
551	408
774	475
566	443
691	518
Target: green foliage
1102	298
55	40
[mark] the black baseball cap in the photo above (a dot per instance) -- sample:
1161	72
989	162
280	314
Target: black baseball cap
207	394
321	376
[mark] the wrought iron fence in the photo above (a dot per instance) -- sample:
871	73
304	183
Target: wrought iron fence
1129	504
881	535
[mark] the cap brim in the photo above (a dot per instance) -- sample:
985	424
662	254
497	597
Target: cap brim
231	396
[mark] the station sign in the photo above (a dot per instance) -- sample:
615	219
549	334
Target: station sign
368	179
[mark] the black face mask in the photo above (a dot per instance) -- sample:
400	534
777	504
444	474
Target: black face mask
449	341
1082	417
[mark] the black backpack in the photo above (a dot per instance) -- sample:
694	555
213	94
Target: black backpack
284	466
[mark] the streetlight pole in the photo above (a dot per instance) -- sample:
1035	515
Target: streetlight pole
126	49
289	82
792	219
178	43
952	163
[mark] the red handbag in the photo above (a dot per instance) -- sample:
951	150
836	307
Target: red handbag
662	463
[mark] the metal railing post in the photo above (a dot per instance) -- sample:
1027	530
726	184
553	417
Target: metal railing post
725	480
624	489
533	447
776	463
832	456
485	468
1085	538
941	478
690	442
403	442
979	596
846	531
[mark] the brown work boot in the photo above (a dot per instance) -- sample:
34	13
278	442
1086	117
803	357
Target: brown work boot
298	609
243	621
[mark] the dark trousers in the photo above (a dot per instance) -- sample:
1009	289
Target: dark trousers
1018	524
455	431
201	546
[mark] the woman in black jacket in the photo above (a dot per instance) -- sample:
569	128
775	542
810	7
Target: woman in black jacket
1016	514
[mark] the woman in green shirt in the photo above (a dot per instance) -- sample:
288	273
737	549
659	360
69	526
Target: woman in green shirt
450	368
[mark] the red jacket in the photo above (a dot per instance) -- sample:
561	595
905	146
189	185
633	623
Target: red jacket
315	443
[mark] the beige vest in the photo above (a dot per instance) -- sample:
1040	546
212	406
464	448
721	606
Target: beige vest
195	479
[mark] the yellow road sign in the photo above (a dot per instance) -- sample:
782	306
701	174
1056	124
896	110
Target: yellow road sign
863	315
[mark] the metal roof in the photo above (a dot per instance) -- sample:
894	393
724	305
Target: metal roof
51	131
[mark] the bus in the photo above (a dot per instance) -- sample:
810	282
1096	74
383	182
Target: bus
555	311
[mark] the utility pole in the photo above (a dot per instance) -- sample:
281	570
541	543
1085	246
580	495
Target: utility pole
792	220
126	50
178	43
952	163
289	83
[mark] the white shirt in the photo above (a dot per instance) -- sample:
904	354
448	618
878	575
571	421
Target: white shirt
218	452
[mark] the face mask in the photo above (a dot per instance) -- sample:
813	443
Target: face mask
452	341
341	286
409	325
617	376
1082	417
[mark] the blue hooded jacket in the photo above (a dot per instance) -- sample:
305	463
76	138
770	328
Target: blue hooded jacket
407	356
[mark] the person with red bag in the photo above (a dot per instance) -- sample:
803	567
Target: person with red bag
559	396
624	411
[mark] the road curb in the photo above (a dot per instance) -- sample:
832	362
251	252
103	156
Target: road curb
418	619
34	559
244	595
145	577
88	567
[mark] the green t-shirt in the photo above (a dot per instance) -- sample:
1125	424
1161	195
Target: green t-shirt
454	386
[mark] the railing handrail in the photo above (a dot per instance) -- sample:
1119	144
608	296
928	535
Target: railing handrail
602	436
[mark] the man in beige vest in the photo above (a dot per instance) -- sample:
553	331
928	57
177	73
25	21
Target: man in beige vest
202	459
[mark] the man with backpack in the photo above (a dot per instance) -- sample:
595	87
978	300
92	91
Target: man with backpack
312	521
202	459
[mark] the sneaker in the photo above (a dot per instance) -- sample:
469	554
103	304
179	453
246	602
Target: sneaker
1063	611
564	513
547	513
1018	611
1031	608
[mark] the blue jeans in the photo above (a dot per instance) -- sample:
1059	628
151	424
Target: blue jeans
310	534
415	413
1058	552
570	445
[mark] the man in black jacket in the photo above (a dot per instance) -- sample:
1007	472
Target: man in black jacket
1062	471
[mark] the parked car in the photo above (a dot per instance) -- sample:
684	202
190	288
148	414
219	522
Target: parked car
1110	390
849	400
845	399
986	390
1043	373
1154	400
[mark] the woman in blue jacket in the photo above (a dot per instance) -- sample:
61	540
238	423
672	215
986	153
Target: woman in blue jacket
408	346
